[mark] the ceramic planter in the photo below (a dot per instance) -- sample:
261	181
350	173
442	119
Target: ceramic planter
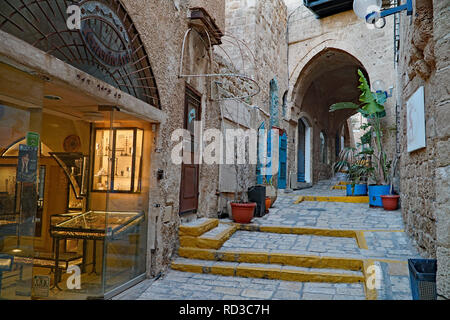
375	193
359	190
271	192
268	204
390	202
243	212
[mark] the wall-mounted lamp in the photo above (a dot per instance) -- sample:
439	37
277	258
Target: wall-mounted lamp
370	10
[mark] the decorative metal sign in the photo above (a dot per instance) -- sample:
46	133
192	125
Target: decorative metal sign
105	35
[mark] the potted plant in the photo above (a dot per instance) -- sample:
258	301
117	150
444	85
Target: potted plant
241	210
372	108
390	201
354	164
271	191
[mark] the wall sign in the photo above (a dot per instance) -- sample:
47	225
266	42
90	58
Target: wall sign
33	139
415	115
27	163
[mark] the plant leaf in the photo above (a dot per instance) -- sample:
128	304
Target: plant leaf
343	105
369	99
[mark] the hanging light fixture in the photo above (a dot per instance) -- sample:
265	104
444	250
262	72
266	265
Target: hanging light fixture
380	87
370	10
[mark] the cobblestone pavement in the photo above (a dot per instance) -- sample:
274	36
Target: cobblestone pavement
388	247
191	286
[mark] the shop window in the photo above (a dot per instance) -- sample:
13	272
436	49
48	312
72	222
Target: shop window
123	173
323	147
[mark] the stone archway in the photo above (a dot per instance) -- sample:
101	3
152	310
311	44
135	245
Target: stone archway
328	77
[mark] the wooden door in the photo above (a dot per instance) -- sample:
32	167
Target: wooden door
190	171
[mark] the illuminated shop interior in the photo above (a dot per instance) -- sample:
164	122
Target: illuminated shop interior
87	205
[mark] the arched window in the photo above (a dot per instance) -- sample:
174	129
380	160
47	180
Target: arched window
323	147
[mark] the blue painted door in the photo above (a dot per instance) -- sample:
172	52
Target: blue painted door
283	162
269	155
301	152
259	176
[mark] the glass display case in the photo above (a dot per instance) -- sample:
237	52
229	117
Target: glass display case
120	232
123	173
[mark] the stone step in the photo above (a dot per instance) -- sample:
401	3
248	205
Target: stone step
268	271
213	239
340	233
295	260
197	227
355	199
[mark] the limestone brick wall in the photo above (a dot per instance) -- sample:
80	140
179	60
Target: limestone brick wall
425	173
162	25
256	46
260	27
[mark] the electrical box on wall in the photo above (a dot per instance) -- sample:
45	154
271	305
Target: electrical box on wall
167	214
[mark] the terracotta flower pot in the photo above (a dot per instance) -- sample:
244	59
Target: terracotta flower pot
268	203
243	212
390	202
272	193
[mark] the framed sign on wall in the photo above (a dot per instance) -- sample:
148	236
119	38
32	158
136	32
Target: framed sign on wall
415	115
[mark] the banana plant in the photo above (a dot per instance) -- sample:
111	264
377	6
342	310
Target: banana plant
372	108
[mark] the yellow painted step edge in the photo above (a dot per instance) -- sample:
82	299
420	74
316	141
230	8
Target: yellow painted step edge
371	293
269	273
357	234
357	199
207	243
198	230
272	258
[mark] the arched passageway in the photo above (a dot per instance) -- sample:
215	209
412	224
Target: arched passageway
329	77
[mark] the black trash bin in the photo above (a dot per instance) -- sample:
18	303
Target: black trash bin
422	277
258	194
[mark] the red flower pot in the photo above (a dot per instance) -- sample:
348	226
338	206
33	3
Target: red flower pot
390	202
243	212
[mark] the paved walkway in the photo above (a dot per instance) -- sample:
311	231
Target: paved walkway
388	247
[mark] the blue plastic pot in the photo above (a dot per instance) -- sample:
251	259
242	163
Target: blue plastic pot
375	193
360	190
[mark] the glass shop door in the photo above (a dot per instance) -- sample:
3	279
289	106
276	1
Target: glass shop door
127	203
20	127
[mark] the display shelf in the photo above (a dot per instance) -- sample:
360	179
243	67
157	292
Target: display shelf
122	163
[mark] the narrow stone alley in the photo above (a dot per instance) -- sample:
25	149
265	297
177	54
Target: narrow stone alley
300	250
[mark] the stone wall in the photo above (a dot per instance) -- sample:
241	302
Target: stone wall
425	173
162	25
255	45
260	26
